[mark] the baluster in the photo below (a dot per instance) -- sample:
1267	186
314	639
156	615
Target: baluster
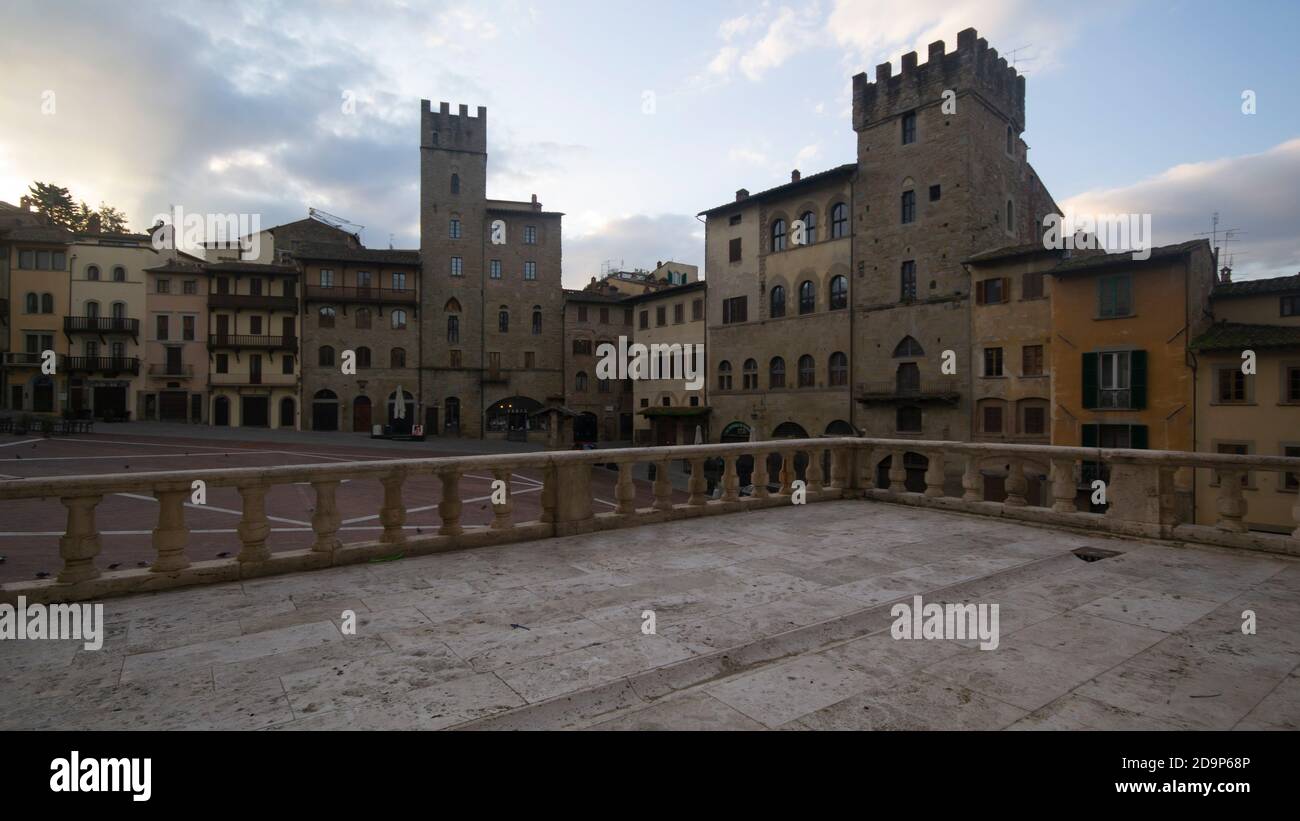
1232	505
662	487
393	513
253	527
1295	517
897	473
814	473
170	535
449	507
625	490
934	475
80	543
1063	486
759	477
698	485
1017	485
730	480
867	468
548	493
972	481
325	520
501	519
840	467
787	474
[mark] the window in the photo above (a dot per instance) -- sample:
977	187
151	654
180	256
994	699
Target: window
1034	420
494	269
1115	375
679	313
398	320
604	316
187	328
645	320
47	303
161	328
453	229
697	310
776	373
530	360
164	286
537	320
1115	296
734	309
991	291
363	357
908	419
530	270
1031	285
777	301
397	358
935	193
286	364
453	329
734	219
580	382
778	235
627	316
809	227
907	379
750	375
582	313
223	285
807	372
1290	306
992	361
1011	216
907	281
1291	481
190	287
991	418
909	206
839	292
362	316
457	267
326	316
453	358
908	347
909	128
223	363
92	272
503	319
645	402
582	347
255	325
724	375
807	297
661	316
733	250
839	220
32	304
255	286
325	357
399	280
92	309
119	310
1291	390
1031	360
839	369
530	235
455	183
1231	385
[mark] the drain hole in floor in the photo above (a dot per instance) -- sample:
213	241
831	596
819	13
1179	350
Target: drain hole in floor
1096	554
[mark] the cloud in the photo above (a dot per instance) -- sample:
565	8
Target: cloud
636	241
1257	193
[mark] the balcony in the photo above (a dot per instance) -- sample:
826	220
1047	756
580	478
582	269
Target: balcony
252	341
247	380
102	364
166	371
941	391
351	293
776	619
255	302
101	325
20	359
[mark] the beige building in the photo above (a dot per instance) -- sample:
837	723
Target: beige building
669	411
1259	413
176	350
603	407
36	265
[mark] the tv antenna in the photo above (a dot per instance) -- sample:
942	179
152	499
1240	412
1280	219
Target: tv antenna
1229	236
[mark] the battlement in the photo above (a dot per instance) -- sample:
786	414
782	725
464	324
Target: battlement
458	132
973	67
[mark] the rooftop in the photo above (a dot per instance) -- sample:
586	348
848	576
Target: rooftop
346	253
846	170
1090	262
1257	287
1238	336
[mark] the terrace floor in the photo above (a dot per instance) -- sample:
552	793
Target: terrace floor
768	619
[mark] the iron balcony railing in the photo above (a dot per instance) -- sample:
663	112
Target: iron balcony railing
101	325
102	364
251	341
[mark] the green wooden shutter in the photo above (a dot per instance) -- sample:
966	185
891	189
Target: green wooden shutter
1138	378
1090	365
1090	435
1137	437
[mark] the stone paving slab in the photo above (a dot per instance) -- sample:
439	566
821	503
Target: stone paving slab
776	619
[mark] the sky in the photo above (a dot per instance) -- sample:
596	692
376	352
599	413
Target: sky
632	117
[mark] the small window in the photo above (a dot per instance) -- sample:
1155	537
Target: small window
734	309
1290	306
992	361
908	419
807	372
453	329
161	330
455	183
1231	385
991	291
47	303
363	357
286	364
326	316
223	363
809	227
661	316
909	128
776	300
807	297
908	348
778	235
453	230
1011	216
909	207
724	375
604	316
1011	141
398	320
530	270
164	286
1292	388
530	235
494	269
92	272
537	321
734	219
325	357
1034	422
679	313
397	358
839	292
750	375
503	320
839	220
907	281
992	418
190	287
697	310
839	369
776	373
32	304
457	267
935	193
1031	286
1031	360
645	320
733	250
580	382
1115	296
362	316
187	328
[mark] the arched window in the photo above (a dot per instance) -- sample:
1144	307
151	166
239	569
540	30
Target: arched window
47	303
326	316
839	220
119	274
580	382
363	318
1011	215
455	183
326	356
807	372
776	373
809	227
398	318
92	308
452	306
503	319
363	357
750	375
778	301
537	320
908	347
907	381
397	358
724	375
92	272
839	369
778	235
119	310
453	329
839	292
807	297
33	303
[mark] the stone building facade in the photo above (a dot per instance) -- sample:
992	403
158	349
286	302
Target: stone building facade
604	407
492	301
668	411
366	301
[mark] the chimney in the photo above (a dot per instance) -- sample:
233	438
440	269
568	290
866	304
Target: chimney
742	194
1225	275
794	175
537	206
659	264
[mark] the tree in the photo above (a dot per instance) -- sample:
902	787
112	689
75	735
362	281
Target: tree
111	220
54	201
81	217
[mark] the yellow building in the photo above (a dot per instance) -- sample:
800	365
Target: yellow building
667	411
36	263
1251	413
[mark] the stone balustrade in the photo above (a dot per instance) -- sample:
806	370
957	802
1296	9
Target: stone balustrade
1147	496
